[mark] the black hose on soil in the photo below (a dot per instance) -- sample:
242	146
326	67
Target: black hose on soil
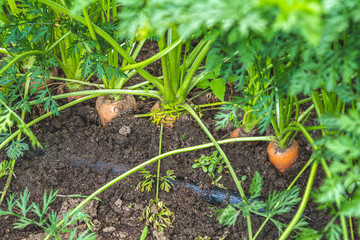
215	195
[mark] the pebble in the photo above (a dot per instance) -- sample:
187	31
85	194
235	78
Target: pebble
109	229
117	205
125	130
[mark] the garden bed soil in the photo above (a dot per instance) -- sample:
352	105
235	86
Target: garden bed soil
129	141
75	142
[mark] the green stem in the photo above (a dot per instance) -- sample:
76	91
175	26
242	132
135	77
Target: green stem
78	81
311	128
198	95
114	11
75	81
289	111
4	18
133	87
309	184
174	64
275	126
18	57
130	43
194	53
311	159
64	63
195	80
181	94
279	115
305	100
210	104
303	203
58	41
343	224
122	81
100	92
286	134
304	131
261	227
351	229
154	58
20	119
297	109
319	107
71	62
91	29
305	113
137	49
159	164
144	233
168	94
11	173
4	51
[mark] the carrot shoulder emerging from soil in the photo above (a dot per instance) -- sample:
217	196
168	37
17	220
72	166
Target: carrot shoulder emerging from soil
108	109
73	98
53	73
240	132
283	159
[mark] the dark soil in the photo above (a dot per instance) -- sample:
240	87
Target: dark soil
129	141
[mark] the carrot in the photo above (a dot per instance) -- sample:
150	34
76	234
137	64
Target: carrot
73	87
156	106
53	73
236	133
239	132
73	98
108	109
283	159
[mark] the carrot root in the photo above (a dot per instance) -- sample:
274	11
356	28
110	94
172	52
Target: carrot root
283	160
239	132
73	98
108	110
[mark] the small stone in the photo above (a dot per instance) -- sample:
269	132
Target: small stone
97	225
187	231
138	207
78	122
123	235
70	203
35	236
128	221
117	205
125	130
159	235
109	229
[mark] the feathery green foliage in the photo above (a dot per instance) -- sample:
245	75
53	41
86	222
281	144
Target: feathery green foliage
277	203
341	148
21	209
149	180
